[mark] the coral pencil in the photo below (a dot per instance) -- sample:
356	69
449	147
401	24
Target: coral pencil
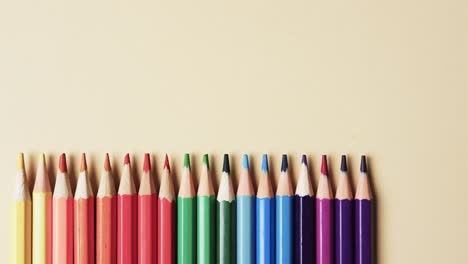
324	217
106	218
344	221
265	218
127	206
62	219
205	216
147	202
363	217
21	218
226	218
304	228
186	217
166	214
42	216
245	203
284	216
84	217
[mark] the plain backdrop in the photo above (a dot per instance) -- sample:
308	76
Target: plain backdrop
382	78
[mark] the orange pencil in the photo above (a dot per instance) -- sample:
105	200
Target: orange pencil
147	202
127	206
84	217
106	218
166	227
62	217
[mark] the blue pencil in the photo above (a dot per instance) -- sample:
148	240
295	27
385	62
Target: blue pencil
265	218
245	216
284	204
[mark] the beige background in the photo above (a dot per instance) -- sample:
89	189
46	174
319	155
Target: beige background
386	79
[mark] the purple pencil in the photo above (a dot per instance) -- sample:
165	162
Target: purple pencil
363	204
344	227
324	217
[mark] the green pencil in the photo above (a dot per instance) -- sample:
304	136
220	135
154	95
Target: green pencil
186	217
226	218
205	216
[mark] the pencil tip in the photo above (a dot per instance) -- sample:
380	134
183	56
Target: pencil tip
21	161
245	161
84	164
363	164
166	163
107	165
42	160
265	163
344	164
63	163
127	159
226	167
147	163
187	161
324	169
206	160
304	159
284	163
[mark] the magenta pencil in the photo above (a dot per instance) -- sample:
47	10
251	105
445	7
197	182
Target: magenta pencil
324	217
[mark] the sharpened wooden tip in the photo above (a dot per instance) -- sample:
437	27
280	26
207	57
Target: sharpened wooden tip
107	165
84	164
147	163
63	163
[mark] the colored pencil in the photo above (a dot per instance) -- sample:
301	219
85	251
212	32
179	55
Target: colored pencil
42	216
186	210
304	228
205	216
265	218
106	218
363	220
127	206
62	212
147	209
21	218
344	227
226	218
245	203
166	216
84	217
284	216
324	217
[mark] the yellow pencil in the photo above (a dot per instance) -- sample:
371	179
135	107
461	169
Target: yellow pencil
42	216
21	221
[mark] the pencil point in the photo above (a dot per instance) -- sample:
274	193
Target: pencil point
284	163
265	163
107	165
147	163
63	163
206	160
187	161
363	164
344	165
127	159
324	169
226	167
21	161
166	163
84	164
42	160
304	159
245	161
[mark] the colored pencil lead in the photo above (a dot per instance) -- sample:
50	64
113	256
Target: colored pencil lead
226	167
324	169
284	163
63	163
127	159
363	164
21	162
84	164
344	165
166	163
187	161
304	159
107	165
147	163
265	163
206	160
245	161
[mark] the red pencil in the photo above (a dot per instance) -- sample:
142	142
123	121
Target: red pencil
127	205
147	202
84	217
166	225
106	218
